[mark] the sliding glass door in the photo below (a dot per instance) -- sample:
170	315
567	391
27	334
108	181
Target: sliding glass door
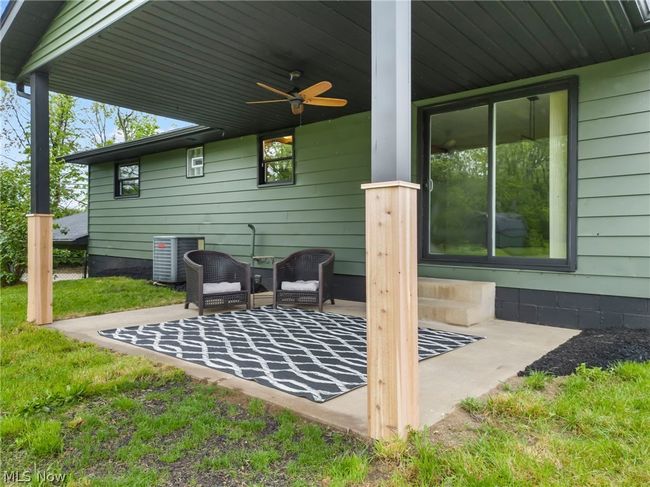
498	179
458	176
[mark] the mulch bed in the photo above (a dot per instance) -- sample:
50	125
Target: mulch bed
595	348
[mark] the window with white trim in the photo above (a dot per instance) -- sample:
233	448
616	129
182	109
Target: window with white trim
195	162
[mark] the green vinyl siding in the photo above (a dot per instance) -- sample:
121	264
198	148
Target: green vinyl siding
325	207
75	23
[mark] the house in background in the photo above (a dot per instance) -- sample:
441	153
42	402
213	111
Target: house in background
530	139
71	232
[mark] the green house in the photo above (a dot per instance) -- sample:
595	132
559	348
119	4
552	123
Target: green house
529	137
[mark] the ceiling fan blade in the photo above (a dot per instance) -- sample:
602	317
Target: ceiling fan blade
326	102
265	101
315	90
274	90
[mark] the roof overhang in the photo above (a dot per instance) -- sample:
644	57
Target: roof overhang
199	61
22	25
173	139
638	12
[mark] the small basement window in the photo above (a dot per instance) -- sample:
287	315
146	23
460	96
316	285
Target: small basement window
127	180
195	162
276	159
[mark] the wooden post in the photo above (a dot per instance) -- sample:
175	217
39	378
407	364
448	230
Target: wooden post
392	308
39	268
39	222
391	230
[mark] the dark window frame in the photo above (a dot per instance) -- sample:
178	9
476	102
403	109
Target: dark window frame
564	265
261	163
117	180
187	149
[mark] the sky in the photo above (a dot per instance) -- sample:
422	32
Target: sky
11	153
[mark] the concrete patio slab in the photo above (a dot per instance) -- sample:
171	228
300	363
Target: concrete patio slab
445	380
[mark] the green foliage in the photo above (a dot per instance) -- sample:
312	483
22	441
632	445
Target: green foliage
278	162
125	421
537	380
96	120
14	205
591	429
52	400
522	175
459	201
458	210
61	371
71	129
134	125
349	469
472	405
67	181
45	439
68	257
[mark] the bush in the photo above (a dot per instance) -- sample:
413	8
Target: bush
68	258
14	205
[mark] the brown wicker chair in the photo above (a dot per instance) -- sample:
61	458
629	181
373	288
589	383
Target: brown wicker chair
207	266
306	265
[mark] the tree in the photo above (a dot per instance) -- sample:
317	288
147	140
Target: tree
71	129
134	125
67	181
97	119
14	205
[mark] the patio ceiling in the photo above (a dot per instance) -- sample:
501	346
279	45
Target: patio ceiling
199	61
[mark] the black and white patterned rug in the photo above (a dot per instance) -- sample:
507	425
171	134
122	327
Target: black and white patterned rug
306	353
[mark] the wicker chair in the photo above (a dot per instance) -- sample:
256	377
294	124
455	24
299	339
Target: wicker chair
206	266
306	265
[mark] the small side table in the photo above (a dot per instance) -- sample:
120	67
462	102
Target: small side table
256	261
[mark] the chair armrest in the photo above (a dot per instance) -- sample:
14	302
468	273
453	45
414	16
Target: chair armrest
325	277
282	271
245	273
193	280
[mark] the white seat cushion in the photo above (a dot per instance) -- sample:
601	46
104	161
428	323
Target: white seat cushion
221	287
299	286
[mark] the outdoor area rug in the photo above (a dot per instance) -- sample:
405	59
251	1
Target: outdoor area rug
306	353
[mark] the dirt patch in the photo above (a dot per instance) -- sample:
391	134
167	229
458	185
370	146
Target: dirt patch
455	429
595	348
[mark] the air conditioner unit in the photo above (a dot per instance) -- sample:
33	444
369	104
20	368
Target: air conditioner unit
168	254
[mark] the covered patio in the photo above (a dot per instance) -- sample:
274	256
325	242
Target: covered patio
199	62
444	380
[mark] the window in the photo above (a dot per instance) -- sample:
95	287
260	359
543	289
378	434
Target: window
127	180
276	159
195	162
500	177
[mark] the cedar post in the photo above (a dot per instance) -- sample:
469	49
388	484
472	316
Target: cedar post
391	231
39	222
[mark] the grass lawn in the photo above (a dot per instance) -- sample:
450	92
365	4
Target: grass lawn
107	419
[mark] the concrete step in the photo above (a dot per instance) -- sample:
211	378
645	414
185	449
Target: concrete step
456	290
463	303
